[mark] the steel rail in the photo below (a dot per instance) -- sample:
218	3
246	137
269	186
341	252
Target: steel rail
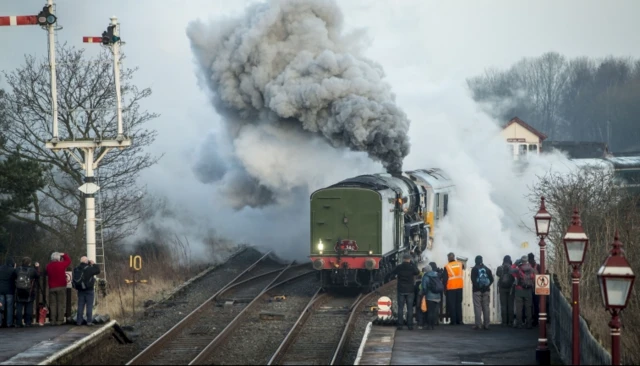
348	329
188	320
306	313
301	323
206	353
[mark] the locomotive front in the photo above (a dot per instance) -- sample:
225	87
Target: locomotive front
346	240
358	229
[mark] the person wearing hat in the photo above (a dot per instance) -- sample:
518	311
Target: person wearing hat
432	288
406	272
525	276
454	283
481	280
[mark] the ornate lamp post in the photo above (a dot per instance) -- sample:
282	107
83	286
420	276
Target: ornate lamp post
575	246
616	282
543	224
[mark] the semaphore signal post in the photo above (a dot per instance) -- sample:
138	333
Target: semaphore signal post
110	38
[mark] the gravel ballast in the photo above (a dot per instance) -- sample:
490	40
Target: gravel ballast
145	330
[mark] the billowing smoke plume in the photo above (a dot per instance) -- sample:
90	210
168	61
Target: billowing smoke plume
294	91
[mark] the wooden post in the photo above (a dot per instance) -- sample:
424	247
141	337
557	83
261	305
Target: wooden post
134	294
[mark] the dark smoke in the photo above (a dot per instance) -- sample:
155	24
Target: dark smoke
287	64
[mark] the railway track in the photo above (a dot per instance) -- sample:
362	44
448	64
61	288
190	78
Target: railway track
322	331
223	349
196	333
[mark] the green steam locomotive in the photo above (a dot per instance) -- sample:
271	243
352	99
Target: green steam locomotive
361	226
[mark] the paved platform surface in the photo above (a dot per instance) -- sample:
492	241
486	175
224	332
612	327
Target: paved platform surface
29	346
450	344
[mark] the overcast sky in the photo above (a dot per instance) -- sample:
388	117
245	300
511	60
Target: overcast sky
423	46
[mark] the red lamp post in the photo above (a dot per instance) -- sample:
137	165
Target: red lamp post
575	246
616	282
543	224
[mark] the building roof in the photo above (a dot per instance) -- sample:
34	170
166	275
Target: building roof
579	149
522	123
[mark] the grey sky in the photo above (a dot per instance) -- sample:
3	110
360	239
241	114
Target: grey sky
423	46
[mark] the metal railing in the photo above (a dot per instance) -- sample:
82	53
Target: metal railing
560	328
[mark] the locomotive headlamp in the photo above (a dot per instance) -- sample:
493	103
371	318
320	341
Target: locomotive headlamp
320	245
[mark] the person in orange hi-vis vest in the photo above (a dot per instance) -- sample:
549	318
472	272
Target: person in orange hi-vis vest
453	282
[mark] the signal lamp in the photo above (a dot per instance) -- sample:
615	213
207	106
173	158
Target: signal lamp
45	17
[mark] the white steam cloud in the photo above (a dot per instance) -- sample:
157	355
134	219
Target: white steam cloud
304	109
489	214
292	89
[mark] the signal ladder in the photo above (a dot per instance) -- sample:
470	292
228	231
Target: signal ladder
100	252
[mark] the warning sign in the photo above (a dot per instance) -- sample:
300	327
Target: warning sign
543	285
68	274
384	307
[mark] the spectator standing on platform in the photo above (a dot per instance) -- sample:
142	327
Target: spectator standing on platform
58	286
505	287
419	294
454	284
481	281
536	299
84	283
7	290
525	276
433	288
26	276
406	272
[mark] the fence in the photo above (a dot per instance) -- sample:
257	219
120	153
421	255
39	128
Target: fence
560	327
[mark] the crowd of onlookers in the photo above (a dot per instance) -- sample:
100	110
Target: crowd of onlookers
423	291
19	286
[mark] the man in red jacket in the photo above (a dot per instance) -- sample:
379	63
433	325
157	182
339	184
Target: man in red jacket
57	286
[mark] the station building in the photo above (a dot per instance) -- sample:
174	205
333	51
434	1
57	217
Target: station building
522	139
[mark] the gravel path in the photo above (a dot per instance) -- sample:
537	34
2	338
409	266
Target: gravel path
147	329
256	340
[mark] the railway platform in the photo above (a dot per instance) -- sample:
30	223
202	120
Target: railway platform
53	345
448	345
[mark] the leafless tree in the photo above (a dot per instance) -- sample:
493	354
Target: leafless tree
86	104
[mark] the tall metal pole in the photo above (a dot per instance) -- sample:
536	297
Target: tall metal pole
52	65
575	300
115	47
543	353
90	204
614	327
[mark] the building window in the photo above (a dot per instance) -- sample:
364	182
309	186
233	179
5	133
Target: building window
533	148
522	149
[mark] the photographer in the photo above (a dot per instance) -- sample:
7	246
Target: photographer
406	271
84	282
